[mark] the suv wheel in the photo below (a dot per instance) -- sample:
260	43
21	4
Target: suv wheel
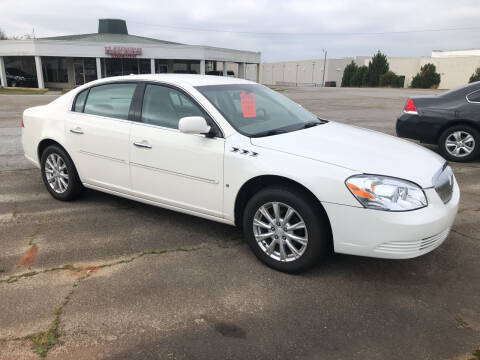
460	143
59	174
285	229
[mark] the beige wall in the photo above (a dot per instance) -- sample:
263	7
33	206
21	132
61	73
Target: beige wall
306	72
454	70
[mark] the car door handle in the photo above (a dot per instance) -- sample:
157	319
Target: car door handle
143	144
77	130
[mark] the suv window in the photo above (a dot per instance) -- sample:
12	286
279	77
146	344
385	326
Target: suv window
165	106
112	100
474	97
80	101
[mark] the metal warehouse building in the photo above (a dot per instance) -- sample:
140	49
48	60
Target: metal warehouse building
69	61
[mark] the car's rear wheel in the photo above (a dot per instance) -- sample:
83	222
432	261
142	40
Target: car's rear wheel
460	143
59	174
286	229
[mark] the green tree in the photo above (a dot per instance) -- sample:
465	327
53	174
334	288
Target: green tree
376	67
426	78
475	76
360	78
348	73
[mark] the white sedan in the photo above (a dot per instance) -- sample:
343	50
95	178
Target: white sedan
236	152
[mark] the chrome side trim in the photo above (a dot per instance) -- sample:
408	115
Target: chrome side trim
102	156
169	172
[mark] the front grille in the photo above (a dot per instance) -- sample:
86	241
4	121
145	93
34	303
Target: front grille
443	183
411	247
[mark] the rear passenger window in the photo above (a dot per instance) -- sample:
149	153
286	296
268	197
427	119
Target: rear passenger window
474	97
112	100
80	101
164	106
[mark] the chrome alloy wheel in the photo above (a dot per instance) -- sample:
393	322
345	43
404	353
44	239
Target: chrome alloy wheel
460	144
280	231
56	173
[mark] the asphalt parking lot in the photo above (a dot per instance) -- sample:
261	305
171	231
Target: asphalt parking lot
109	278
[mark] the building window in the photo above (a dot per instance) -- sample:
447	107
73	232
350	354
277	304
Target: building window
20	71
161	66
55	69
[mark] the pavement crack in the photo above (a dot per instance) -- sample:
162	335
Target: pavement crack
15	278
465	235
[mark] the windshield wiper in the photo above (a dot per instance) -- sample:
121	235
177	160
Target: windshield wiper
311	124
270	132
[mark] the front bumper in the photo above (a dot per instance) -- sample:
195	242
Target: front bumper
393	235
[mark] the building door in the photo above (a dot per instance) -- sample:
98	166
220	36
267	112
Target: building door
79	73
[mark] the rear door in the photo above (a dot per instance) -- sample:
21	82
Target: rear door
98	134
168	166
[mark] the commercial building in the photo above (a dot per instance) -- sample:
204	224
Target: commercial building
455	68
69	61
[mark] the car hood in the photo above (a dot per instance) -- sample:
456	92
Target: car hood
358	149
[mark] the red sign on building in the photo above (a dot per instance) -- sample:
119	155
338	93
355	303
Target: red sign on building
123	52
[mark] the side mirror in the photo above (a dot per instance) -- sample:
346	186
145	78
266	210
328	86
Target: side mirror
193	125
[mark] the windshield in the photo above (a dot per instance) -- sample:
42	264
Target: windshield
255	110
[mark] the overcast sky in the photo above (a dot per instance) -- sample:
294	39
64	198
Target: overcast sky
171	20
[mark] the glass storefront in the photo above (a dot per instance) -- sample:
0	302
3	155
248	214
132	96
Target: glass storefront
20	71
84	70
55	69
119	66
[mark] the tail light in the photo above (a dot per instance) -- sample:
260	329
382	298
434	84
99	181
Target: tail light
410	107
23	125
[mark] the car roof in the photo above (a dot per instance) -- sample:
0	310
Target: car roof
190	79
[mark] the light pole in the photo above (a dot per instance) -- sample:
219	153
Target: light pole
296	77
324	63
313	72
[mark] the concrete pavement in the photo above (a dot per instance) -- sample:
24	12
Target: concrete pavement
108	278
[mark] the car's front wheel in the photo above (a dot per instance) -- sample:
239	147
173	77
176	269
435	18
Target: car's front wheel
460	143
286	229
59	174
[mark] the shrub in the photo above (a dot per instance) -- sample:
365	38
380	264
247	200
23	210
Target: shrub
360	78
426	78
475	76
376	67
348	73
390	79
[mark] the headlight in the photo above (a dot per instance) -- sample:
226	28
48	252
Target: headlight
386	193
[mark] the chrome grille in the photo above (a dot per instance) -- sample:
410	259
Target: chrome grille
443	183
410	247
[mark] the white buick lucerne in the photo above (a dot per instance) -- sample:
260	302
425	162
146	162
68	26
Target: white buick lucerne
234	151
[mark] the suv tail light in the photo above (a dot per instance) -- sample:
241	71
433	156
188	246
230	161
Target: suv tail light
410	107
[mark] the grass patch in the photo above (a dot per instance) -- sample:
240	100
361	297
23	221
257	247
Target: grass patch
22	91
46	339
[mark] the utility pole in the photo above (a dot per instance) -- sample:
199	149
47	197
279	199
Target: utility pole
296	77
313	72
324	63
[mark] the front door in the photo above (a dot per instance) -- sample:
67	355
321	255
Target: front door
98	135
168	166
79	73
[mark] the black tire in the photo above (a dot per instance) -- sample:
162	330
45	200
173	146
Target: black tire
74	185
448	134
314	217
